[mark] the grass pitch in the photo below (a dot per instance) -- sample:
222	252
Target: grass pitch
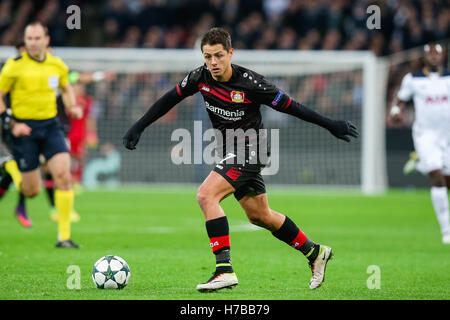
160	232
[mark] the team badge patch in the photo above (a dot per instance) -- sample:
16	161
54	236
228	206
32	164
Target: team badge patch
237	96
53	82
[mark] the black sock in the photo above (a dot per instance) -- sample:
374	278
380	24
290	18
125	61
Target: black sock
223	262
293	236
5	182
49	187
219	237
21	199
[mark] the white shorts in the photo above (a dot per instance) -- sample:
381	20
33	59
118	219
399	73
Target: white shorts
433	149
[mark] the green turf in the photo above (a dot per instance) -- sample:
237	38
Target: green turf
160	233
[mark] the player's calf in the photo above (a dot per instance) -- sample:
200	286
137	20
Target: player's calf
223	276
31	183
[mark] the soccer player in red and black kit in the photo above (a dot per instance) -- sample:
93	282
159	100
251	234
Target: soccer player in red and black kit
233	96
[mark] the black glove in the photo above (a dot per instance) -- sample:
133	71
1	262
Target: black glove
159	108
131	138
342	129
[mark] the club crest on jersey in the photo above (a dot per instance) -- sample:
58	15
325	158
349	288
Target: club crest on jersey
237	96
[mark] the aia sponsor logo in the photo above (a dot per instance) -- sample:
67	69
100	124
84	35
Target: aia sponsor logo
436	99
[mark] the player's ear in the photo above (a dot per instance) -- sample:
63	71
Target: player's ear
230	52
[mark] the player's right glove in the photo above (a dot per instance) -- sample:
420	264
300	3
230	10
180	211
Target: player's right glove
159	108
131	138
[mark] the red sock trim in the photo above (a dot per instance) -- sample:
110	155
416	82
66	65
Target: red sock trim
299	240
2	191
218	243
49	183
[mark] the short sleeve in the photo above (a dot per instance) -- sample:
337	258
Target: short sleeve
406	89
7	77
189	85
64	75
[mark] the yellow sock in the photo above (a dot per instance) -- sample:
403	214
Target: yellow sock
64	205
14	172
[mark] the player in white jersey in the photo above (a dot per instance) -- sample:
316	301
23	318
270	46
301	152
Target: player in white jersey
430	91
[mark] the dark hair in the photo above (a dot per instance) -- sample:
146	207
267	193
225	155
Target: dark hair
19	45
37	23
217	36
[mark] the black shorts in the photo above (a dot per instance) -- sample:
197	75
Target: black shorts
245	178
47	138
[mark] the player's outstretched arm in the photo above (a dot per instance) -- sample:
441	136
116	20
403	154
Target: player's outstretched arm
341	129
156	111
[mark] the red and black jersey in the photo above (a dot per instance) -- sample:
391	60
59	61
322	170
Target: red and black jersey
234	104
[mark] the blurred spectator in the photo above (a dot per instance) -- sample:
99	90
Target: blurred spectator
153	38
132	38
331	40
287	39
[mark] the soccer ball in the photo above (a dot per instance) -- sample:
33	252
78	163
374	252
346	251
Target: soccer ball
111	272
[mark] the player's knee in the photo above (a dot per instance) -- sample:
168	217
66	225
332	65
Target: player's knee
256	217
30	191
437	178
256	220
202	197
62	179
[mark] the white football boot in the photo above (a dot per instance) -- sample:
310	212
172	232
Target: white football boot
446	239
410	165
219	281
318	267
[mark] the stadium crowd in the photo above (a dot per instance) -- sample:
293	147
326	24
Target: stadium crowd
254	24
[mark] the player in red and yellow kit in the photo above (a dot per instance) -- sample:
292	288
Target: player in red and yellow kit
79	129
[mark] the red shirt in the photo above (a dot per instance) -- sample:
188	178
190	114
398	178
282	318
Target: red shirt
78	127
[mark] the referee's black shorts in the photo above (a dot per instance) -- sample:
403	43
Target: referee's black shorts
245	177
46	138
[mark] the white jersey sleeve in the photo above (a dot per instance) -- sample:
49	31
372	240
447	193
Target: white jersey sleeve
406	91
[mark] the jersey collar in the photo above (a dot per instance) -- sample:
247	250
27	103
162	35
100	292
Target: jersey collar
40	61
427	73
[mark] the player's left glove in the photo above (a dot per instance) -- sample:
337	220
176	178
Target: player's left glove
342	129
131	138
